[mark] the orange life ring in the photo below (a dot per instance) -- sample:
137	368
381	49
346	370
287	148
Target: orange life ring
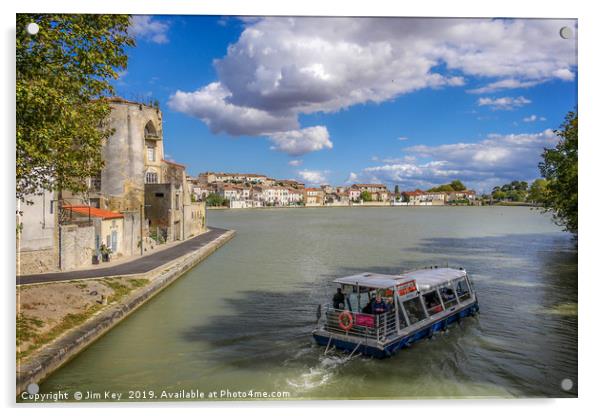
345	326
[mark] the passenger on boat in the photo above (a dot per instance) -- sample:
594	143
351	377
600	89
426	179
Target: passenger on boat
448	294
338	300
379	305
368	308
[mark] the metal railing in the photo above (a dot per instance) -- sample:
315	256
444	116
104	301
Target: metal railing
368	326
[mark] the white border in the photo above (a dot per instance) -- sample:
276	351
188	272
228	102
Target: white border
589	241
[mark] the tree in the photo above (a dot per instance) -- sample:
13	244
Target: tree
63	74
366	196
396	190
442	188
537	190
215	200
559	168
457	185
498	195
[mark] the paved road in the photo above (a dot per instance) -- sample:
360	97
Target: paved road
141	265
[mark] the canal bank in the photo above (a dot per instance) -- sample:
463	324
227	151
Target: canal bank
55	354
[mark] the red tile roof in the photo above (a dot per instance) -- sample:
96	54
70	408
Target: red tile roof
94	212
174	163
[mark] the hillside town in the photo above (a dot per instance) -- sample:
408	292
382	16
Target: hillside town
249	190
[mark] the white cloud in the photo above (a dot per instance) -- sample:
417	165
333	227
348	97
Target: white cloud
281	68
532	118
353	177
299	142
212	105
148	28
295	162
313	177
495	160
503	103
504	84
403	138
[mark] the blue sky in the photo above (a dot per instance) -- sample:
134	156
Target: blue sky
413	102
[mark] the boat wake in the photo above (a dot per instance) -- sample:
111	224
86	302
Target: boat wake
319	374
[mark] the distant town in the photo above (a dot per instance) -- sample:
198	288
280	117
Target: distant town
249	190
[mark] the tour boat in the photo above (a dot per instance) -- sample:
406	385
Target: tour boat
379	314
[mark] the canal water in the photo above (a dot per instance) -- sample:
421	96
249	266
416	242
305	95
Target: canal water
242	320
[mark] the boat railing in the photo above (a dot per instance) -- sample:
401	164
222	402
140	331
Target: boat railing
369	326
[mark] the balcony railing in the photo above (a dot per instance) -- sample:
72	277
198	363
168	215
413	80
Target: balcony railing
368	326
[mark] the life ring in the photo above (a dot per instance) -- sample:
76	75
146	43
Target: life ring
345	316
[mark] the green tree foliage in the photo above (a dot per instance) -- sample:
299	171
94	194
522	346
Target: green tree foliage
559	168
215	200
457	185
515	191
63	72
366	196
443	188
538	190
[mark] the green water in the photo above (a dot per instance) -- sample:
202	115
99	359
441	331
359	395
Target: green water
242	319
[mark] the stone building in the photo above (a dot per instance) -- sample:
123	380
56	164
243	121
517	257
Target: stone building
37	236
134	172
171	213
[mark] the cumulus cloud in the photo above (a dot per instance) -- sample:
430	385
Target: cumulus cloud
212	105
503	103
295	162
505	84
497	159
532	118
281	68
149	28
299	142
313	177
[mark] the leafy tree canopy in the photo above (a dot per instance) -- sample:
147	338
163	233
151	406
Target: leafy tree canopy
366	196
455	185
538	190
560	168
63	72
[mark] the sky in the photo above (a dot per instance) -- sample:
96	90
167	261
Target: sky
414	102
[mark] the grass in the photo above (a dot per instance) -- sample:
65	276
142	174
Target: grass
37	340
27	327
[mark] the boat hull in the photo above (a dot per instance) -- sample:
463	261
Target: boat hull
390	348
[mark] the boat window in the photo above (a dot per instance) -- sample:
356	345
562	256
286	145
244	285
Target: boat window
402	319
414	310
462	289
432	302
448	296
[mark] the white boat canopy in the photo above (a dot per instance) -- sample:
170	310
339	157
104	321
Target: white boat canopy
425	279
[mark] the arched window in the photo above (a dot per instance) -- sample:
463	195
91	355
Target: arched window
150	132
151	177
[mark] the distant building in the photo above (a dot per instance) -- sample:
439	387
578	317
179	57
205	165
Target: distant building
251	178
378	192
314	197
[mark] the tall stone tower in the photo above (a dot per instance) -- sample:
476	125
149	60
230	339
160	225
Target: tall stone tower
132	155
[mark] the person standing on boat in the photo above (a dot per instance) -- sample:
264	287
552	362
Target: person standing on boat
338	300
379	305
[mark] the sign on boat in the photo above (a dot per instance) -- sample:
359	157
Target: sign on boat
379	314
